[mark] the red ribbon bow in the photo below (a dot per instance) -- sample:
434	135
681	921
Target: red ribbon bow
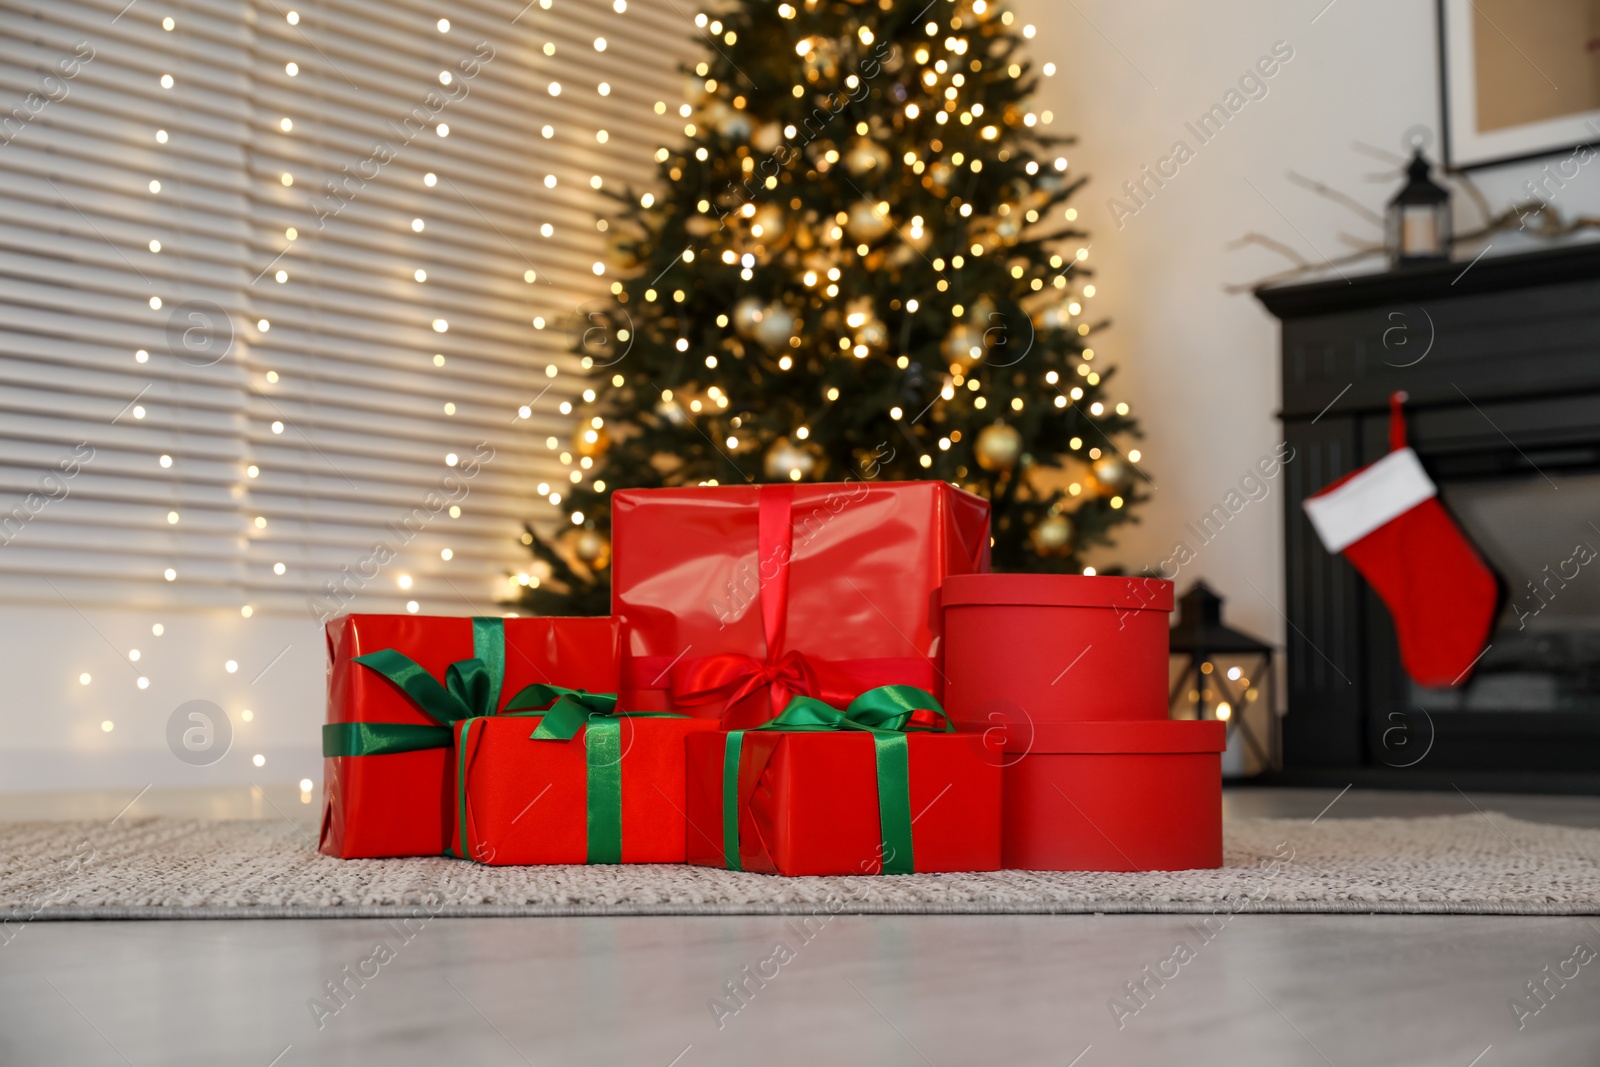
729	677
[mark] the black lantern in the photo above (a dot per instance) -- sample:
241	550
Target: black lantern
1220	673
1417	228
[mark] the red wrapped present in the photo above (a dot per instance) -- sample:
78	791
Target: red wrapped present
1113	796
581	783
397	684
1054	648
735	598
875	788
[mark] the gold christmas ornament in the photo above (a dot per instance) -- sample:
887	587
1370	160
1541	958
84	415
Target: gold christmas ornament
774	328
865	155
982	316
818	262
767	137
786	461
672	413
622	249
873	333
588	547
767	223
999	447
1052	536
865	223
821	56
1113	473
747	316
1056	317
963	345
591	441
865	325
732	123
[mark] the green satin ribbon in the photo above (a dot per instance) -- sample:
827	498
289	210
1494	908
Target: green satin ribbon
462	847
602	743
887	714
566	710
380	738
571	711
471	688
732	749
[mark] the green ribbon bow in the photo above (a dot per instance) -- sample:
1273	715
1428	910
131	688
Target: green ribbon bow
471	688
566	712
888	713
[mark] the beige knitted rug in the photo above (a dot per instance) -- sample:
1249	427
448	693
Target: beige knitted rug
184	869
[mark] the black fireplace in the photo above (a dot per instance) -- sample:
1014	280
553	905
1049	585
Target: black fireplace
1501	363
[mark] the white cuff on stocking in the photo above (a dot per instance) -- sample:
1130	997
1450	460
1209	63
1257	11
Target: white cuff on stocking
1379	494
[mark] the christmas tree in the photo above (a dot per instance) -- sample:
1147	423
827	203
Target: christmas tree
862	266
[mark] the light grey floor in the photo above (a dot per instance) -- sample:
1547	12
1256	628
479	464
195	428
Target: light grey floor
940	991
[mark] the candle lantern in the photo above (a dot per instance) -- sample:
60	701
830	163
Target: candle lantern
1220	673
1417	226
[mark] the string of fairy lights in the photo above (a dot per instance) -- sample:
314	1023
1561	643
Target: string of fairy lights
589	438
171	461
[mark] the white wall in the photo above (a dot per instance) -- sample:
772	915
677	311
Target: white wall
1199	366
51	732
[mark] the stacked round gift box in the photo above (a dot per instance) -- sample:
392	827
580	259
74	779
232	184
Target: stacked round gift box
1066	676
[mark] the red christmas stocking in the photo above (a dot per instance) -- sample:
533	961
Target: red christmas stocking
1387	520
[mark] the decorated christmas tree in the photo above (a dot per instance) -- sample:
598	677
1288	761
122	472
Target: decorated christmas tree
858	263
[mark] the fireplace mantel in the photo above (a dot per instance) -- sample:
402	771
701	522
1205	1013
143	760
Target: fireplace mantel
1438	281
1500	359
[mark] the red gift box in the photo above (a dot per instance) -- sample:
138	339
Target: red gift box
398	800
1023	648
612	793
842	801
1113	796
735	598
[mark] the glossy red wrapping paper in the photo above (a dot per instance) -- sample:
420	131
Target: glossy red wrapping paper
527	800
734	598
808	802
402	804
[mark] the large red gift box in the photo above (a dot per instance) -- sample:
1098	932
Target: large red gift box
1113	796
1055	647
399	799
808	803
612	793
734	598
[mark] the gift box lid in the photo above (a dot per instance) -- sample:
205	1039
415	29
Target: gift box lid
1128	737
1059	590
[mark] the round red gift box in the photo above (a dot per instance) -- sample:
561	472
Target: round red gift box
1112	796
1054	648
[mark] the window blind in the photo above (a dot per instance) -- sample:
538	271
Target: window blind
285	321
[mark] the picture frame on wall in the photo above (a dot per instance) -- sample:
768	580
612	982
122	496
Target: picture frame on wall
1518	80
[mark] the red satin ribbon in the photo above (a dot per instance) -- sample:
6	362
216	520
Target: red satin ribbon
732	676
774	550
